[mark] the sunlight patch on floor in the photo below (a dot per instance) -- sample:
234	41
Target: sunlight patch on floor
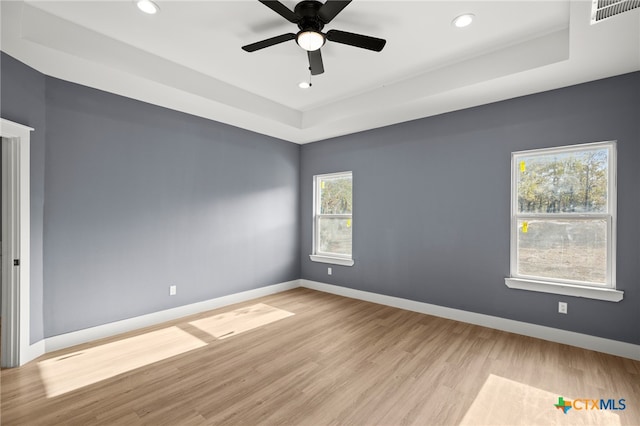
506	402
82	368
244	319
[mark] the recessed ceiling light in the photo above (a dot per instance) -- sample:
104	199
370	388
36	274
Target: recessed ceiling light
304	85
147	6
463	20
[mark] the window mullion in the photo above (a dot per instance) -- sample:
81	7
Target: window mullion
543	216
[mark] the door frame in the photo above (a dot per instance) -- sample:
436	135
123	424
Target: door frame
15	244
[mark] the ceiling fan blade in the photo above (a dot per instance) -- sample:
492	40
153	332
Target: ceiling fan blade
281	10
315	62
331	8
268	42
357	40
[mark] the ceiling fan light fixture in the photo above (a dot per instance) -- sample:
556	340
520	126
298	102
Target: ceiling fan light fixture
463	20
310	40
147	6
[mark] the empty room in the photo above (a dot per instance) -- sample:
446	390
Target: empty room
320	212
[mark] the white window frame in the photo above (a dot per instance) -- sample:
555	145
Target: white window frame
318	256
562	286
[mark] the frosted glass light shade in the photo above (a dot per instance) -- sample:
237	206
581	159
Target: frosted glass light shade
310	40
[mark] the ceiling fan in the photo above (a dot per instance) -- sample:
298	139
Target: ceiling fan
311	16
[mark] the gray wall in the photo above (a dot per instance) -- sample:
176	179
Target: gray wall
139	198
22	93
431	204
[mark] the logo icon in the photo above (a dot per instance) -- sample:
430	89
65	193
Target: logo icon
590	404
563	405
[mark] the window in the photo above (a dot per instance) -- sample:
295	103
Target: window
563	204
332	218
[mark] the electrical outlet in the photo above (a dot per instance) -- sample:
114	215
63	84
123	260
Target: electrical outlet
329	271
172	290
563	307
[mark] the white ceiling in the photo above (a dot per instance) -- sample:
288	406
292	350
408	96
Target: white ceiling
188	57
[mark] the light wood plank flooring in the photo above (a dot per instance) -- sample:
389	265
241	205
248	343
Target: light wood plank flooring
335	361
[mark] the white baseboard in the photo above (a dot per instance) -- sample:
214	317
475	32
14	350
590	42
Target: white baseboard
111	329
580	340
33	351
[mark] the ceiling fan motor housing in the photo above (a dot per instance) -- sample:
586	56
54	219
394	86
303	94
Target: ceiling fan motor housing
308	12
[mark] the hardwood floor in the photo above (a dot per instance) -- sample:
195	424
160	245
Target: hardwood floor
335	361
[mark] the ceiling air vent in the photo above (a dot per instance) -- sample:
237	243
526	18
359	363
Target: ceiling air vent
604	9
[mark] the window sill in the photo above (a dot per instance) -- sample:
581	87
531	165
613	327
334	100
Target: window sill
333	260
607	294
